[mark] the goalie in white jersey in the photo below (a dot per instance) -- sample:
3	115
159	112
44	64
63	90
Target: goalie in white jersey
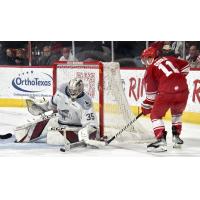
74	114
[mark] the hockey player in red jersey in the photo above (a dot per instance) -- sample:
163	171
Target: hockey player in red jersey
166	88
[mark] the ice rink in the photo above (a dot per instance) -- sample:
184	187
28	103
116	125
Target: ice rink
11	117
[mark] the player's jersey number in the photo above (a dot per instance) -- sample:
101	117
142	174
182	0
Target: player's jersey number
165	70
90	116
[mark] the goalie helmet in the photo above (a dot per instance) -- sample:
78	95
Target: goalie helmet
149	55
75	87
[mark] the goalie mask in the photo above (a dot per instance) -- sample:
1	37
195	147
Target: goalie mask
75	88
148	56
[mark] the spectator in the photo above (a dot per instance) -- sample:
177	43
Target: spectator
193	58
94	51
178	48
66	55
20	60
56	48
2	55
167	50
9	59
47	58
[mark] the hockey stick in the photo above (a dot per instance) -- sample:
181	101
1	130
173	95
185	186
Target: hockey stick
123	129
69	146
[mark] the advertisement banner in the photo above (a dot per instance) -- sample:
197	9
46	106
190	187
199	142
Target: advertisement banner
135	91
23	82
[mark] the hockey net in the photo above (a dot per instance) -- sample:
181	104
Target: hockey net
103	84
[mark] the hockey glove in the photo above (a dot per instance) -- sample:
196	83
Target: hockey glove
83	135
37	106
146	107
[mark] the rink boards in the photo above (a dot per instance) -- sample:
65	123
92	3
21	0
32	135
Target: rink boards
15	87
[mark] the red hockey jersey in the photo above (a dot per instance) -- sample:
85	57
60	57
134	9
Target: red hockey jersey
166	75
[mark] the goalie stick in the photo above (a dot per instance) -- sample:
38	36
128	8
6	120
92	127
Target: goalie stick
68	145
123	129
94	145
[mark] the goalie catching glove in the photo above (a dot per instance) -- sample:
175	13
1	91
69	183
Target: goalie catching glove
146	107
37	106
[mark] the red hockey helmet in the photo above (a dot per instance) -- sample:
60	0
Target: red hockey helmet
148	56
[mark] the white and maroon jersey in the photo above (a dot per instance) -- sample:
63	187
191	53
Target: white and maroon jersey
73	113
166	75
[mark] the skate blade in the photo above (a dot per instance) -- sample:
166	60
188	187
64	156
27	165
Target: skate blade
156	150
177	146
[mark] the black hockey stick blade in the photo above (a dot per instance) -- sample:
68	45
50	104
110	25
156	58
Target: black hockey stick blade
123	129
6	136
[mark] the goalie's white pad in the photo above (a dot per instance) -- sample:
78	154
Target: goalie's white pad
35	129
22	132
55	138
60	135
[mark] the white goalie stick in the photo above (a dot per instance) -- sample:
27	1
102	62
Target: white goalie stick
92	144
68	145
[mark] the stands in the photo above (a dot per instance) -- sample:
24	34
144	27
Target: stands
127	53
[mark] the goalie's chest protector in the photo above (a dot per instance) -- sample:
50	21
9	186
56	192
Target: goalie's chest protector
69	111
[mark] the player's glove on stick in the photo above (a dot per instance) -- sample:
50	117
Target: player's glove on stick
146	107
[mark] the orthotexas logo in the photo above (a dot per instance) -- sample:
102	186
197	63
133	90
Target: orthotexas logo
30	81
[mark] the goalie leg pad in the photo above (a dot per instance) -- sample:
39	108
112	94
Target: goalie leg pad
21	133
54	138
69	134
72	136
31	131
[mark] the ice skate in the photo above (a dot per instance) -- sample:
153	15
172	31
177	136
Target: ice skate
159	146
177	141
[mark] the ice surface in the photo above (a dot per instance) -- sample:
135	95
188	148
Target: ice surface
11	117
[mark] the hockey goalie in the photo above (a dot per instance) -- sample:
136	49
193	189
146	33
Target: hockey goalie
72	120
